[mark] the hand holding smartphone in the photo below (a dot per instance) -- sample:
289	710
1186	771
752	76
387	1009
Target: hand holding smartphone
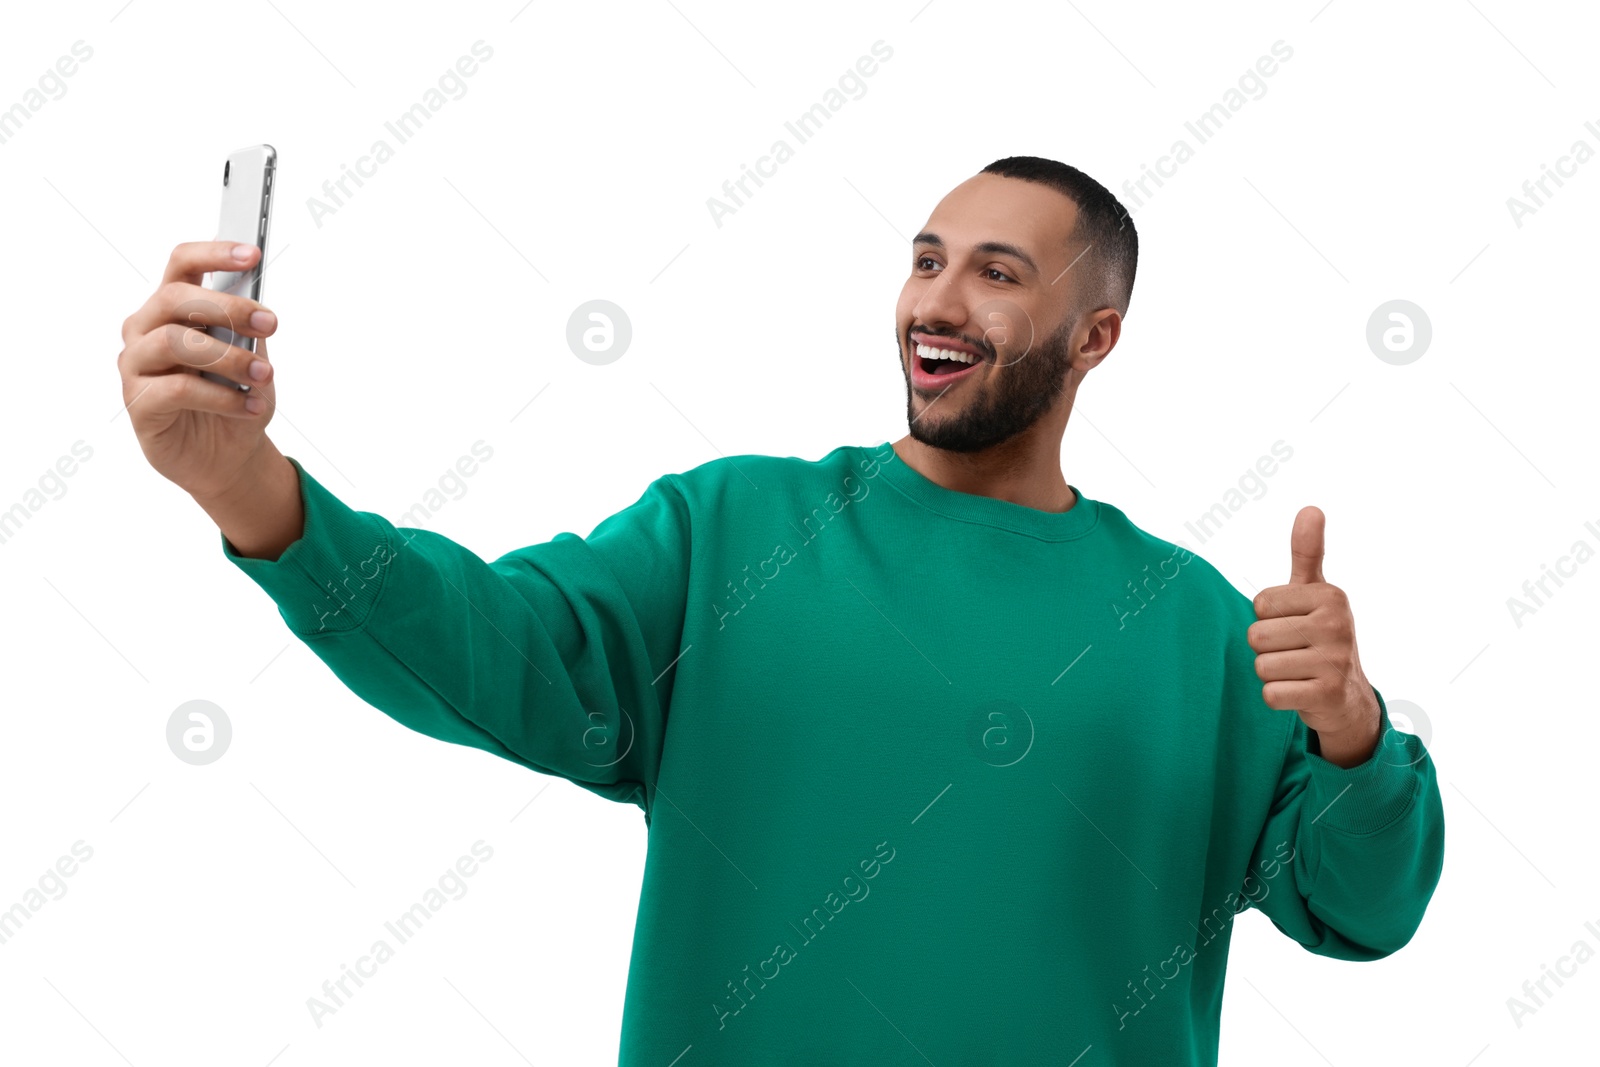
246	219
209	437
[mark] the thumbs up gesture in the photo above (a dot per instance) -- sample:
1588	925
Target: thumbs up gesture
1305	644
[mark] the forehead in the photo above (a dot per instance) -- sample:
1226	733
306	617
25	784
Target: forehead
987	207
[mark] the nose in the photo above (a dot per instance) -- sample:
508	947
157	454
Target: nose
941	304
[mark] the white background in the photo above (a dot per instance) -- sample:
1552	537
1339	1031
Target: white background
428	310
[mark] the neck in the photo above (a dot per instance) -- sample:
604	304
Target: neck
1022	470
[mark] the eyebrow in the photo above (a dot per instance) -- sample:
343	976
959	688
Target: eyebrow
998	248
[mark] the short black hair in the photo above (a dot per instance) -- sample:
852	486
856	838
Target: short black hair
1107	268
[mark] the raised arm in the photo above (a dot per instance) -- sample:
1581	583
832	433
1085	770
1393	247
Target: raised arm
555	656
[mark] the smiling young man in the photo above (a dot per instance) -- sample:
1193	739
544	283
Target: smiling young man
941	760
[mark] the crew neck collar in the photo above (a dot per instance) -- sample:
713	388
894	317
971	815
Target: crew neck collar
976	508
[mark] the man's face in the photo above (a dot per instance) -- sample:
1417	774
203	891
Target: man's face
989	276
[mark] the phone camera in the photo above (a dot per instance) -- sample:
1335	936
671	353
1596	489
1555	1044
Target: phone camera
225	167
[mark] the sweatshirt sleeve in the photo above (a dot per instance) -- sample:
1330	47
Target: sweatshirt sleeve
1364	845
554	656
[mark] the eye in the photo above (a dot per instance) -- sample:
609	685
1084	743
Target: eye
920	260
1007	277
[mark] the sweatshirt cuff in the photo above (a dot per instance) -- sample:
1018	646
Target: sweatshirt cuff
329	579
1369	796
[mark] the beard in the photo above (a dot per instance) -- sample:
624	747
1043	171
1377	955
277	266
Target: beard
1012	401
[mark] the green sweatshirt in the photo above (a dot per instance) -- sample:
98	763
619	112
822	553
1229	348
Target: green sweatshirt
1034	743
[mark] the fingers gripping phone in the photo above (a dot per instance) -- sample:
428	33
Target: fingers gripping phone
246	219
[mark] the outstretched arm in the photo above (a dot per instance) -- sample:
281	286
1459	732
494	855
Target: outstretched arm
553	656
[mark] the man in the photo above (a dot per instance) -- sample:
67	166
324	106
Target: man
941	760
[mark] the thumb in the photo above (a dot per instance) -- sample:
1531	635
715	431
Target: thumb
1305	546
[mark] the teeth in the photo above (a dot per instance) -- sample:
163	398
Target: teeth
929	352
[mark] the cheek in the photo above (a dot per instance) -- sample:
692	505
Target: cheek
1005	324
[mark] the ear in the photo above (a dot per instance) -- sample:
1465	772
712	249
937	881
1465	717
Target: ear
1094	337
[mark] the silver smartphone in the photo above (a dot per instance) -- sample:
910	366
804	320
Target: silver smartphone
246	219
